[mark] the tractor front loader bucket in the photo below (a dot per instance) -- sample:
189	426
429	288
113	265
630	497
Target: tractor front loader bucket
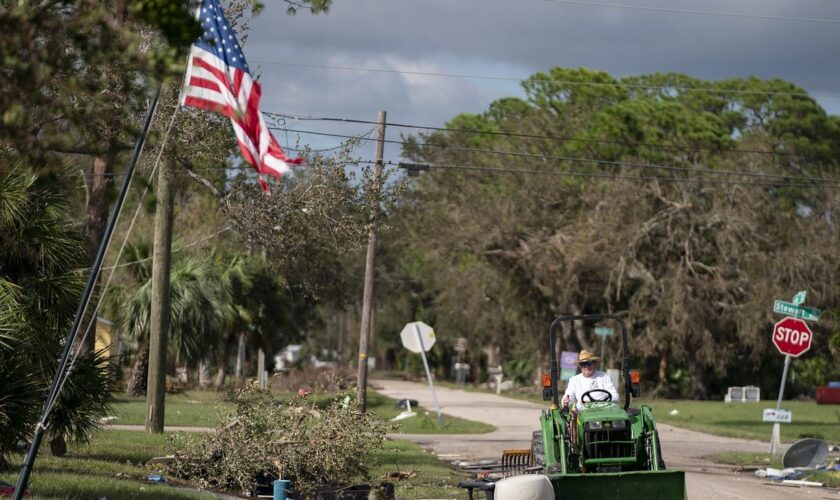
636	485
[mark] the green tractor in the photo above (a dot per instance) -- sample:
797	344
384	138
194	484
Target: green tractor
603	449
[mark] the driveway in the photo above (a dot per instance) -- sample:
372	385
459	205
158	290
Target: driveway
515	420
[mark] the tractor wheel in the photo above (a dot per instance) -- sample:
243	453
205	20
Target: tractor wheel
537	450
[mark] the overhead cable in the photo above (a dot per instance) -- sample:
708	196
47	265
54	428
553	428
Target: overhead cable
620	164
546	137
559	173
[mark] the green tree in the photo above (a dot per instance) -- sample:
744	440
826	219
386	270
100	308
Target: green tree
41	252
690	261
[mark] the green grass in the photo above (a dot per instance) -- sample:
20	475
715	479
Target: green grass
743	420
204	408
433	479
111	466
188	409
426	420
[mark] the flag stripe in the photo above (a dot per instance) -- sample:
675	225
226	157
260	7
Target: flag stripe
218	79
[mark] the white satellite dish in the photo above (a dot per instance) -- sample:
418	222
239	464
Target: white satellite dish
806	453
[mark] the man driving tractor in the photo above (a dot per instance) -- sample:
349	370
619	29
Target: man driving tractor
590	379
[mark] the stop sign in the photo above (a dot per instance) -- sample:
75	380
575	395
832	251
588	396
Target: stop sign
792	336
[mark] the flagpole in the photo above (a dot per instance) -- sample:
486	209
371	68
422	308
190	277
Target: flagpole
55	385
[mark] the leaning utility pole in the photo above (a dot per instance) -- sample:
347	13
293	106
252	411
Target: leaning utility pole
367	295
162	258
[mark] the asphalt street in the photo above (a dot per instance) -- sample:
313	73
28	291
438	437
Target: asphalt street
515	420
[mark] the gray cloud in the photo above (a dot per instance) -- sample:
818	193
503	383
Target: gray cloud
514	39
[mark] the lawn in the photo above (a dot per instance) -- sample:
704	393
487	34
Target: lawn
743	420
203	409
112	466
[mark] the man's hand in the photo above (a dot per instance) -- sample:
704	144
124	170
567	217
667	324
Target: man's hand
566	400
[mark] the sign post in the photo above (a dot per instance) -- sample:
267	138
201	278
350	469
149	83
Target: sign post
419	337
792	337
603	332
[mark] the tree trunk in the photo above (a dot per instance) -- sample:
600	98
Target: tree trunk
698	379
663	369
137	383
95	222
204	374
220	377
58	446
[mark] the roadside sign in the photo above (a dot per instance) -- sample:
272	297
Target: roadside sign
777	416
419	337
797	311
799	298
568	364
604	331
792	337
412	340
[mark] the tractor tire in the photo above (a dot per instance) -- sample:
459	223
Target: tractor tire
537	450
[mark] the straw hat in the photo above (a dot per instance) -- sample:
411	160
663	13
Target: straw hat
586	355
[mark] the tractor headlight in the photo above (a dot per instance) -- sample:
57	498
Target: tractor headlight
595	426
619	424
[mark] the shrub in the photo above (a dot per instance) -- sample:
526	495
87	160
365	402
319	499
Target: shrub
281	438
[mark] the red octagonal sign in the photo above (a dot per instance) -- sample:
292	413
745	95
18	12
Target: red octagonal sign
792	336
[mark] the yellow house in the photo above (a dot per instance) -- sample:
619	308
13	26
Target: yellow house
104	337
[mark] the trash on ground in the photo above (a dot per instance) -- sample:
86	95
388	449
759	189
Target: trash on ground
105	420
406	403
808	452
161	460
156	478
674	412
399	475
803	483
404	415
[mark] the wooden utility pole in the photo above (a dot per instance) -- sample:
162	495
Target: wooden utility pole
156	386
367	295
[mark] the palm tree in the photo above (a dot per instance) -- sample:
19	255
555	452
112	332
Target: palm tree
196	301
41	252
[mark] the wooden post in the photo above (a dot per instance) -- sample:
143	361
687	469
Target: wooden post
162	258
367	294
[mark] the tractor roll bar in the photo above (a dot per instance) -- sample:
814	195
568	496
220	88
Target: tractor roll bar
588	317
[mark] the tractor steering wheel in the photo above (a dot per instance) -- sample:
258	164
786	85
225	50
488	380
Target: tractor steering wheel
588	394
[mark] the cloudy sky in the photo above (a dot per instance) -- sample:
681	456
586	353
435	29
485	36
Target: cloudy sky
370	55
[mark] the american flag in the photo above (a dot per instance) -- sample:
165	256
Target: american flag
218	79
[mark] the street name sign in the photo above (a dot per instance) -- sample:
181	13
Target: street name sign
788	309
604	331
778	416
792	337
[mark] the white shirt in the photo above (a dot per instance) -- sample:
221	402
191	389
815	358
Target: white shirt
579	385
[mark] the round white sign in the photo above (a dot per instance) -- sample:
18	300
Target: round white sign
412	341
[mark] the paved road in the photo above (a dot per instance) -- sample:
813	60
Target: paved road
515	420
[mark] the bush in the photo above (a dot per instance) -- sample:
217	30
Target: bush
281	438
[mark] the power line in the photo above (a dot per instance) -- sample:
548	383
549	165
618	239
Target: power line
546	137
620	164
698	12
562	82
818	183
613	176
